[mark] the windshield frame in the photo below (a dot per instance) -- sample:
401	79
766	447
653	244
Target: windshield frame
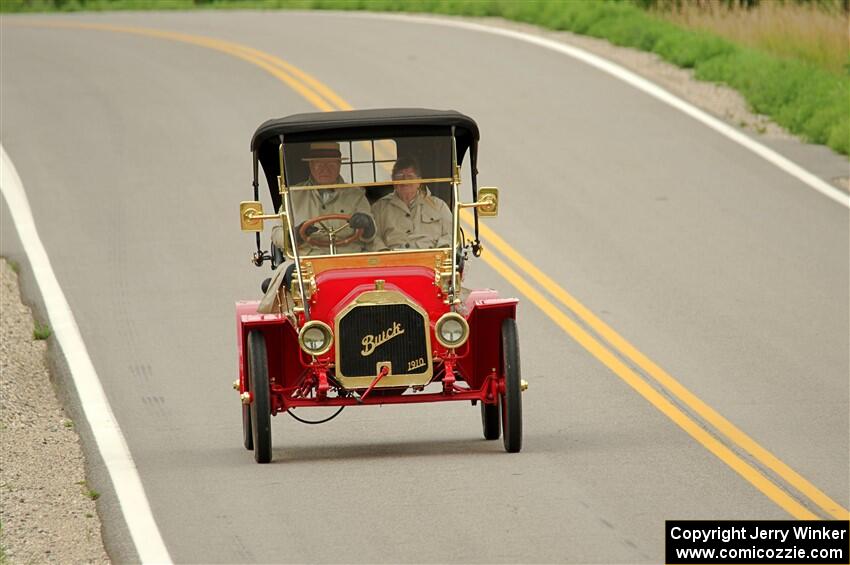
286	190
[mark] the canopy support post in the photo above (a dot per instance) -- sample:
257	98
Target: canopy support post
287	203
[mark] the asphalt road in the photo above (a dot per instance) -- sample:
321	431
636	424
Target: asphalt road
722	269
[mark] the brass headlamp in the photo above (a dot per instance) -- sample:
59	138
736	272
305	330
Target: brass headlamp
315	338
451	330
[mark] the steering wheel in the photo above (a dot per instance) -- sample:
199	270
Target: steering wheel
317	242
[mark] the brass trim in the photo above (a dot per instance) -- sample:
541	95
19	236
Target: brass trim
309	278
327	330
379	284
383	253
367	184
487	204
488	200
382	298
395	258
443	319
452	287
443	275
287	203
251	215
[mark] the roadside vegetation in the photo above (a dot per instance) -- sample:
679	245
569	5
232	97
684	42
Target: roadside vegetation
789	59
88	492
41	331
811	32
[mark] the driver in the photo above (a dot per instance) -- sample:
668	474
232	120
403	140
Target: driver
324	160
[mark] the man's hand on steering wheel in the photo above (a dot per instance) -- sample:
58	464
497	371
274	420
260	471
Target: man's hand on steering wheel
361	221
310	230
306	230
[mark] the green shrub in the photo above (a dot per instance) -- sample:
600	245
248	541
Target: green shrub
41	331
805	99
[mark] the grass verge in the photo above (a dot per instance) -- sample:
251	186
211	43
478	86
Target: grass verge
806	99
815	32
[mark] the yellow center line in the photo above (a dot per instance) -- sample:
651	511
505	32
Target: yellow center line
611	361
661	376
325	99
302	83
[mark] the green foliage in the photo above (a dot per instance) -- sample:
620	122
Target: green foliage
95	5
88	492
41	331
805	99
829	5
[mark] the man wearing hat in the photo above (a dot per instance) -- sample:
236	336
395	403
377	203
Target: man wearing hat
325	160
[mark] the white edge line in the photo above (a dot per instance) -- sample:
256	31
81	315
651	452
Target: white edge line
107	435
648	87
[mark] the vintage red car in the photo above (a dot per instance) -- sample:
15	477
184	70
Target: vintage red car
366	304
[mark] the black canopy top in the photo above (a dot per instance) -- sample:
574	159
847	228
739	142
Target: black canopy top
392	123
364	124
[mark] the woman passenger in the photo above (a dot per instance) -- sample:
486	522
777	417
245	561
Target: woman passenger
410	217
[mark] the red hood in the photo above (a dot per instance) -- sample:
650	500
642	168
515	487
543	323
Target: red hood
337	288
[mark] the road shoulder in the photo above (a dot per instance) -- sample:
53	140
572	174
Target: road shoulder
48	510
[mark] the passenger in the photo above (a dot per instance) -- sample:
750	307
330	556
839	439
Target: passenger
324	160
410	217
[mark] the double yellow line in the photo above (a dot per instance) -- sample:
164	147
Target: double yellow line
615	341
606	345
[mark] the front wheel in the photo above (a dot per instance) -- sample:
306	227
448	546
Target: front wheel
258	384
490	420
512	397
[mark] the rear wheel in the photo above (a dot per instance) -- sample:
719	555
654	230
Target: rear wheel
247	434
512	397
260	410
490	420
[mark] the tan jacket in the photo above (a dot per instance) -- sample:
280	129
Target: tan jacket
307	204
424	224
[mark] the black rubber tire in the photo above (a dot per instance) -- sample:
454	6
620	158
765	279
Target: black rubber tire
247	434
512	398
490	420
258	384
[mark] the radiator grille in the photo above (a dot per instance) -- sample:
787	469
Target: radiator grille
371	334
